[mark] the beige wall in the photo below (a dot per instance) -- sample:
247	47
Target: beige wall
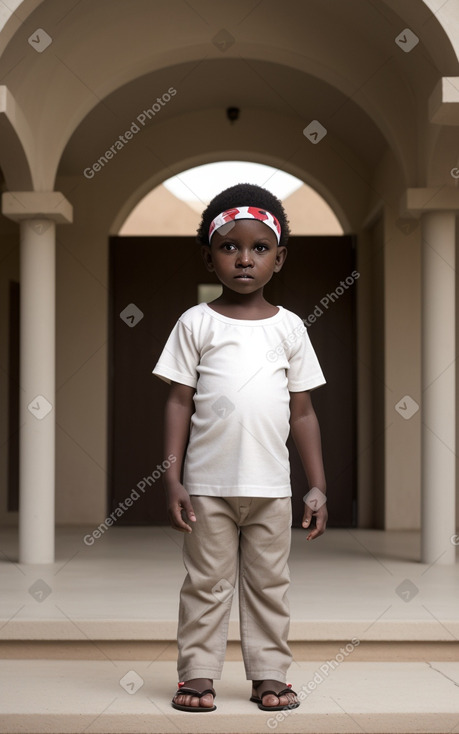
402	272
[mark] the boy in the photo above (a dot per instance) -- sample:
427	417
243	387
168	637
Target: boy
240	370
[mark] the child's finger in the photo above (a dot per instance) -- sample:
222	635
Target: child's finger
188	507
177	520
307	516
319	529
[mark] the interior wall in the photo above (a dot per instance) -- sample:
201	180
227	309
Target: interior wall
82	359
402	373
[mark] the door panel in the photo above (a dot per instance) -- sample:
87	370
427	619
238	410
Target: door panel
152	281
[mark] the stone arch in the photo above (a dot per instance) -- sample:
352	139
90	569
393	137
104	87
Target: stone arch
159	177
88	79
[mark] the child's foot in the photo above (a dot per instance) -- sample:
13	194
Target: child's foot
263	694
190	701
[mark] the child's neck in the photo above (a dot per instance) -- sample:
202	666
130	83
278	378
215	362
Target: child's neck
239	306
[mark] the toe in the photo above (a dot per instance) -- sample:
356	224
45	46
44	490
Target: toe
182	700
287	700
271	700
206	701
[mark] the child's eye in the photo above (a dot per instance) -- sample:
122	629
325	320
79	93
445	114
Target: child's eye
261	248
228	246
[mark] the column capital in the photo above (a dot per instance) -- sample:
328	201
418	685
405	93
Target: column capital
19	205
434	199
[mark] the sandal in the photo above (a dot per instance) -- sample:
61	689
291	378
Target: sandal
278	694
192	692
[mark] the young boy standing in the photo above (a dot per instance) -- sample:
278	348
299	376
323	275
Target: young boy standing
240	370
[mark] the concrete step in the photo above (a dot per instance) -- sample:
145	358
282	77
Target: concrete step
47	623
133	697
405	651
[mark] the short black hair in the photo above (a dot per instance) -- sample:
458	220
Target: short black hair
243	195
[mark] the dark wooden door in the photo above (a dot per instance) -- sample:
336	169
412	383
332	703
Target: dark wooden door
152	281
310	285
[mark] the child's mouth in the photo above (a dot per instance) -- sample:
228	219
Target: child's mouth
244	277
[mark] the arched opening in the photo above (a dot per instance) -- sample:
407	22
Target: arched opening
174	207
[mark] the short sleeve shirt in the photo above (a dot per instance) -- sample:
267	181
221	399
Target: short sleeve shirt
243	371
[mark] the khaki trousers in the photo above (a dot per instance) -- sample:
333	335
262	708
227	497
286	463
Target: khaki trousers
253	535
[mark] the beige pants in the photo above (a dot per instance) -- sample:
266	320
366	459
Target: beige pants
253	534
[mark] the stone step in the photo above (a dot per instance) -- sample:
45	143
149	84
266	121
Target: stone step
133	697
162	650
62	626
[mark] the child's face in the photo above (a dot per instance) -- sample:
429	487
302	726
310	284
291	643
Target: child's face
245	258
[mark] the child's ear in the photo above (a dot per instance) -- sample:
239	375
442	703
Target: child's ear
207	257
280	258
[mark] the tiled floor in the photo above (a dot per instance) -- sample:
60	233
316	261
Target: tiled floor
363	583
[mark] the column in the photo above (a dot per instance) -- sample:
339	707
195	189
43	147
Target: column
38	214
438	404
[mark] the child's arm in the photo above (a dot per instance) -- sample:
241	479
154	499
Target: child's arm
179	409
305	431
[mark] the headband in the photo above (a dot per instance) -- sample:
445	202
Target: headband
245	212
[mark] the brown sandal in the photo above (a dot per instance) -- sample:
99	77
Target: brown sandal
278	694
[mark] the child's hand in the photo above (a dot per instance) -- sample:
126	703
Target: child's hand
179	502
321	516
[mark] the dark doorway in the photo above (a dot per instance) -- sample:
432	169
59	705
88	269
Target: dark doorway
13	398
155	279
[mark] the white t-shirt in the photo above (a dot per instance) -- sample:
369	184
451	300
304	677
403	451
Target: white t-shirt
243	371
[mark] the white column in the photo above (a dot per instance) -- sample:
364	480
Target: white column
37	399
438	404
38	213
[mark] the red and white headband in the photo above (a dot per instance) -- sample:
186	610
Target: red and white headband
245	212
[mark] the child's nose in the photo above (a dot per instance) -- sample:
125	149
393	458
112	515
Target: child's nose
245	258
